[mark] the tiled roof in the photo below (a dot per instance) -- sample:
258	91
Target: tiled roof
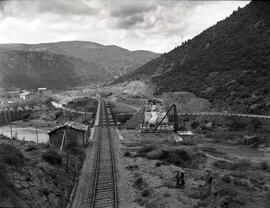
72	124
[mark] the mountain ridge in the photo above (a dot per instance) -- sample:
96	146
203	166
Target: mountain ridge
113	57
32	69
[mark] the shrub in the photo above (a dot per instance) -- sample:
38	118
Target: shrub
127	154
177	157
235	126
10	155
31	148
264	166
255	124
146	149
139	183
194	125
123	118
78	151
242	164
52	157
146	193
4	137
58	114
226	179
26	117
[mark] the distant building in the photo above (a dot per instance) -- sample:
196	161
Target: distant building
25	95
77	134
42	90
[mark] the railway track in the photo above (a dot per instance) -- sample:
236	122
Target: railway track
104	192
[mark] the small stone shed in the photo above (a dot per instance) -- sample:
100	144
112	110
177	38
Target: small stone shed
187	137
77	133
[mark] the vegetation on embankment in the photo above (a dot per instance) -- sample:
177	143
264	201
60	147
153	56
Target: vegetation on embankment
35	175
83	104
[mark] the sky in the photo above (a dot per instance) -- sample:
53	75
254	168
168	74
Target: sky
155	25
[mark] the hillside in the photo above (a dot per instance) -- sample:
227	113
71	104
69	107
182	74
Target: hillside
115	59
228	64
23	69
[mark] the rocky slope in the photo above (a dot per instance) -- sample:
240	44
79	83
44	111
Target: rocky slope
34	176
115	59
24	69
228	64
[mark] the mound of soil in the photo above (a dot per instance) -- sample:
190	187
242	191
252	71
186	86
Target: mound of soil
136	120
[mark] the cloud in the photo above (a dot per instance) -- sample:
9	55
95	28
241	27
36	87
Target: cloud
38	7
157	25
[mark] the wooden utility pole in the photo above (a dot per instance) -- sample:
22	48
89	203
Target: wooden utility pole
10	124
37	134
10	130
67	144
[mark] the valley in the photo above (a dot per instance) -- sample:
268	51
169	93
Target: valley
84	124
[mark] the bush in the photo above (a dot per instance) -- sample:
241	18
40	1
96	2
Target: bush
236	126
264	166
123	118
146	149
26	117
58	114
78	151
30	149
139	183
242	164
177	157
10	155
127	154
146	193
194	125
52	157
255	125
